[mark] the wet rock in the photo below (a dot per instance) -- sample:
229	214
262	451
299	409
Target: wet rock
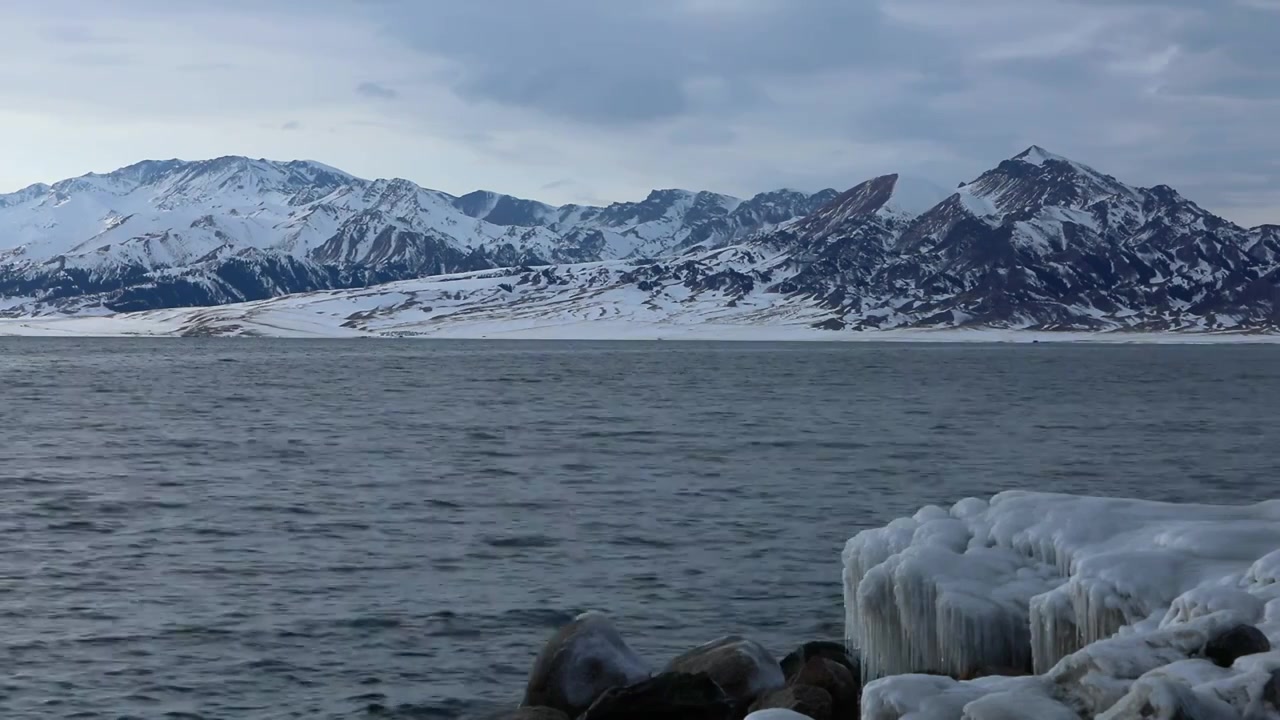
743	668
579	663
829	675
794	662
672	696
1235	643
809	701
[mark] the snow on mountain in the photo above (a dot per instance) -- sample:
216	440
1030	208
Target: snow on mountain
162	233
1038	242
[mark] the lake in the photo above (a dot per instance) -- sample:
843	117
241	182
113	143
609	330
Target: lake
272	529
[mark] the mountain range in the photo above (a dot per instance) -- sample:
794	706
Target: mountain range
1038	242
172	233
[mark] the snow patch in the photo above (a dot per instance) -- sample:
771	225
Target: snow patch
915	196
978	206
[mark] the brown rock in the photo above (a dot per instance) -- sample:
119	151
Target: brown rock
835	678
792	663
804	699
744	669
670	696
581	661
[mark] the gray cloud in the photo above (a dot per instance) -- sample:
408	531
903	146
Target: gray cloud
76	34
731	95
634	62
291	125
376	91
1124	83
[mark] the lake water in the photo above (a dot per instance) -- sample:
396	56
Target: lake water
273	529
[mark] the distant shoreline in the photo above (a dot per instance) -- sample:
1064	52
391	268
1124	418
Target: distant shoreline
172	324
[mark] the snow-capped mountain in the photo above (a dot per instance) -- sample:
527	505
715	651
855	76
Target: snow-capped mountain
173	233
1038	242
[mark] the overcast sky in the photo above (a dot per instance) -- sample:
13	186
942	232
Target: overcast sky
599	100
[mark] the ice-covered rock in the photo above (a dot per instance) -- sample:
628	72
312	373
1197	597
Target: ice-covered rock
579	663
1111	601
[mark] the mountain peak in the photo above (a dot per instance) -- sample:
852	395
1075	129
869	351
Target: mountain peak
892	198
1037	155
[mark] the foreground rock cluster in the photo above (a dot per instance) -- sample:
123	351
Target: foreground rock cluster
587	671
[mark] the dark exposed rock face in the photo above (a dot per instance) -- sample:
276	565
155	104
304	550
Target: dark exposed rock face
1235	643
843	688
677	696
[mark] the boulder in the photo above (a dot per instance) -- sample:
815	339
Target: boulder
1235	643
743	668
581	661
791	664
672	696
836	679
809	701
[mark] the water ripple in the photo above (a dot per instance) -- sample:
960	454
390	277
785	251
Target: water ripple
274	529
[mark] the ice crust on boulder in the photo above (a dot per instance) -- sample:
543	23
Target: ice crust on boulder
1109	601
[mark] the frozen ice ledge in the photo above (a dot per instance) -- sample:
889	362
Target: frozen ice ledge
1104	606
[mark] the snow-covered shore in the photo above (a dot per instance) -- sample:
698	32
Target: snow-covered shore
1110	601
284	322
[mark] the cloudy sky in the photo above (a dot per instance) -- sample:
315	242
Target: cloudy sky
598	100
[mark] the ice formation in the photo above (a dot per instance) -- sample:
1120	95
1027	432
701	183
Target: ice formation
1106	601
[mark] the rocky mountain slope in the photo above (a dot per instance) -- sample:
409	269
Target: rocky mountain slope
1039	242
1043	242
173	233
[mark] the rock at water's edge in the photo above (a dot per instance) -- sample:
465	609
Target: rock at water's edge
836	679
743	668
581	661
794	662
672	696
